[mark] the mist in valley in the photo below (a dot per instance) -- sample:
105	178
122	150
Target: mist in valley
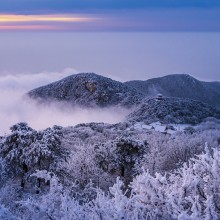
16	107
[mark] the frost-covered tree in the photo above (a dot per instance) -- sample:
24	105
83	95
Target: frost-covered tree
25	150
102	163
128	153
166	153
90	163
193	192
82	162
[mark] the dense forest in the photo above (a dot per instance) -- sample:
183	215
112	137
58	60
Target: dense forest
105	171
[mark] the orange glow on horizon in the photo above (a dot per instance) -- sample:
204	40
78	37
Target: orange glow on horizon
32	18
29	27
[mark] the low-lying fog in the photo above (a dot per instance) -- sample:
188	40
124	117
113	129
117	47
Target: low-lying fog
14	108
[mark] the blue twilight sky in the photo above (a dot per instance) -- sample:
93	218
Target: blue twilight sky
74	5
122	39
114	15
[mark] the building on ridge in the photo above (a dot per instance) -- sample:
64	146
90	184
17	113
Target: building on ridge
159	97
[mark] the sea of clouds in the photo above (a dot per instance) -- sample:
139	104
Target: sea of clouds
15	108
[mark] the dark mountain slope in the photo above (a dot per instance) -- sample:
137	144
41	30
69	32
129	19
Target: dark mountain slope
181	86
173	110
89	90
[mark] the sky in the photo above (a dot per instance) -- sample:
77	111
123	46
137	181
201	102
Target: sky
110	15
121	39
121	56
42	41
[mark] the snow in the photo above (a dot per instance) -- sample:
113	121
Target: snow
138	126
157	126
180	127
75	168
169	131
154	124
88	90
161	128
155	194
147	127
158	196
5	214
182	86
173	111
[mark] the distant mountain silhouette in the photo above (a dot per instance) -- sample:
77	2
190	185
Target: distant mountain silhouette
181	86
88	90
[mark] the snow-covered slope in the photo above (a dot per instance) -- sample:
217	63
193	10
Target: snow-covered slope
173	110
181	86
89	90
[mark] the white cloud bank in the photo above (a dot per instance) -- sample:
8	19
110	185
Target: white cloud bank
14	109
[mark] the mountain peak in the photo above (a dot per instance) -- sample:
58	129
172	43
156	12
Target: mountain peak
181	86
88	90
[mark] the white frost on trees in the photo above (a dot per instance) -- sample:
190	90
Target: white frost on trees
193	192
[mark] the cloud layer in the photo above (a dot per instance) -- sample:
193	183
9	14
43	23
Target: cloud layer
14	109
